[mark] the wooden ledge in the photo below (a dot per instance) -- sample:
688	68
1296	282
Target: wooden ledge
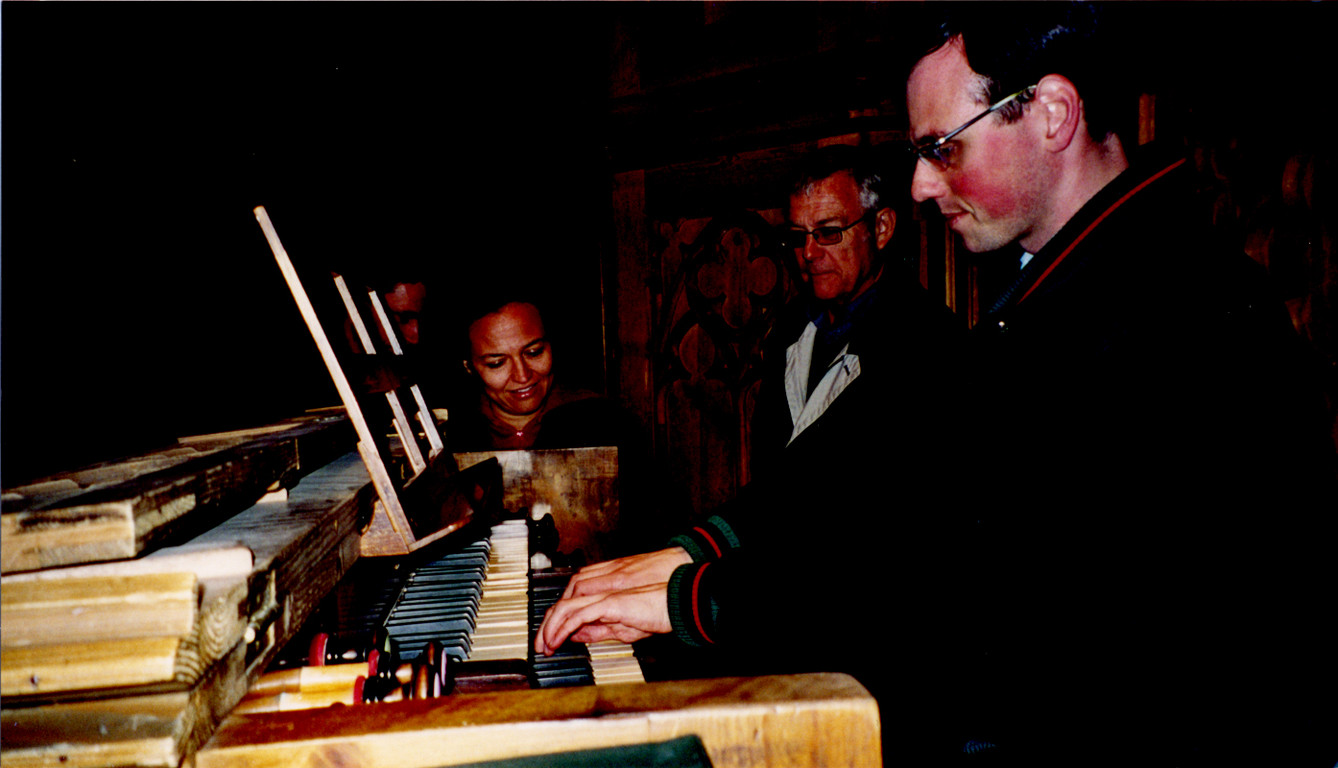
812	719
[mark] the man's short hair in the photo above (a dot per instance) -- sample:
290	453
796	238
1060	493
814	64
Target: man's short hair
877	172
1012	46
857	161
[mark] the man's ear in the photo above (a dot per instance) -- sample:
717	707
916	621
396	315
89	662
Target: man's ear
1060	109
885	223
469	369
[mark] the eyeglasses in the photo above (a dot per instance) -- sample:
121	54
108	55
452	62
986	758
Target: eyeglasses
829	235
938	153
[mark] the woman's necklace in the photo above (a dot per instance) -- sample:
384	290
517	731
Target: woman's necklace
516	424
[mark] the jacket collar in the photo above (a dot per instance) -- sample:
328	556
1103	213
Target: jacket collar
1150	167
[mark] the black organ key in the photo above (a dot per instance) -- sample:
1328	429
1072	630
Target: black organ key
570	664
464	599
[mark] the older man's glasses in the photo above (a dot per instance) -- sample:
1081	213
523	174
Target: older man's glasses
940	153
829	235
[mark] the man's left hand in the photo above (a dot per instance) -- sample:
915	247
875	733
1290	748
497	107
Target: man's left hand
629	615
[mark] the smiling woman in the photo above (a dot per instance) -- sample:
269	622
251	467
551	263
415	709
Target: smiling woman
510	355
513	398
516	400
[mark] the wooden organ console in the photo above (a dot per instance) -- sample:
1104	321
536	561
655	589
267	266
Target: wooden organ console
275	596
164	659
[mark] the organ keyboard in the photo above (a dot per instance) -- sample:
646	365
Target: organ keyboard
262	573
481	602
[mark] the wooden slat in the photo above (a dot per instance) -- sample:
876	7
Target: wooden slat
424	415
219	608
57	668
799	720
92	608
401	421
84	533
158	730
296	548
290	552
47	491
141	731
205	561
385	488
122	519
305	543
126	658
120	666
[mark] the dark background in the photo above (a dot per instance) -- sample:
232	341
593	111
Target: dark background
139	300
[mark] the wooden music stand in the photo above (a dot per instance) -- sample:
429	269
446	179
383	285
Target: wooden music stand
438	498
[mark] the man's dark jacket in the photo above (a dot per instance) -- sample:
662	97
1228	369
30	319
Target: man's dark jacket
824	549
1151	540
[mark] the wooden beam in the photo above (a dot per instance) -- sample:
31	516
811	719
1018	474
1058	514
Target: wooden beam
296	550
94	608
125	511
796	720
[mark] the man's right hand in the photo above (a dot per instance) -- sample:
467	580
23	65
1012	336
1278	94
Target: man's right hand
627	572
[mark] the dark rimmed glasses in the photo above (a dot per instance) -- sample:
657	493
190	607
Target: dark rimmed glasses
938	152
828	235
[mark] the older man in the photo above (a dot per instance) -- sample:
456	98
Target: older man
1158	475
842	451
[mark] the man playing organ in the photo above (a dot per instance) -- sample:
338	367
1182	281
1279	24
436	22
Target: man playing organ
861	359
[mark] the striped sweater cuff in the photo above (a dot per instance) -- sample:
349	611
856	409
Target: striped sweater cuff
708	541
692	612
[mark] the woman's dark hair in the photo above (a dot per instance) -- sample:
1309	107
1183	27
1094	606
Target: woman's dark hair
489	299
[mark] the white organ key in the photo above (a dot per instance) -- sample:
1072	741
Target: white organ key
502	628
612	661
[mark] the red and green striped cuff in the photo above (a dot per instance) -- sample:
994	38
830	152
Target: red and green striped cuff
707	541
692	611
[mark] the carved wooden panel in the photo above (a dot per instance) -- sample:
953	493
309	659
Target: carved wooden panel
723	283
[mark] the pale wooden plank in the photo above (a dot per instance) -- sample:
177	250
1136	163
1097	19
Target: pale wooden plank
157	730
220	608
63	667
47	491
295	551
30	540
124	519
798	720
205	561
302	546
90	609
141	731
